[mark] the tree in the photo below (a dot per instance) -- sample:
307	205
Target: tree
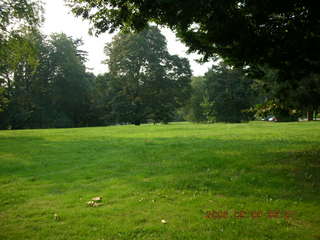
47	86
101	101
16	77
18	18
229	94
70	82
18	12
197	108
147	82
224	94
285	102
283	35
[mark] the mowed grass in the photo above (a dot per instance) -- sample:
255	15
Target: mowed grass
177	173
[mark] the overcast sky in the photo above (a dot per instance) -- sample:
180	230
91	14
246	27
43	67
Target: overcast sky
59	19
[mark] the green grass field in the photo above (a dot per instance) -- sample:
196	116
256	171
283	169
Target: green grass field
179	173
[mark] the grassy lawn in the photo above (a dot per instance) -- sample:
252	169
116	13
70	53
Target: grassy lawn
179	173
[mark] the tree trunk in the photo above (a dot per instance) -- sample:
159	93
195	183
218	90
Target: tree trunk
310	115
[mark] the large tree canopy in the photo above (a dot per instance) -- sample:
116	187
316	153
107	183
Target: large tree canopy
53	92
17	18
224	94
283	35
148	82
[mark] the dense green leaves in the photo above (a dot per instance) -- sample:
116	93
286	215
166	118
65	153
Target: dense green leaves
44	83
283	35
148	83
195	109
18	19
284	101
52	92
47	85
223	95
14	13
230	92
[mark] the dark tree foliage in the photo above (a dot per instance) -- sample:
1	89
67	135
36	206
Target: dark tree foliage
196	108
231	94
223	95
17	18
17	67
285	35
46	85
99	113
70	86
147	82
285	102
53	92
